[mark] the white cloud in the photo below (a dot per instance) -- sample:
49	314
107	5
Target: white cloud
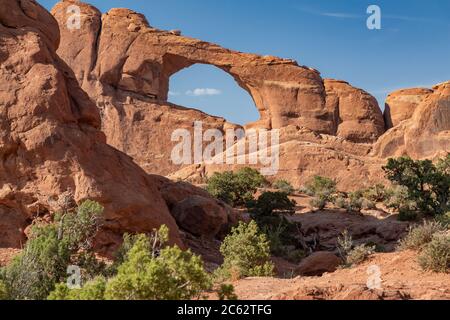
203	92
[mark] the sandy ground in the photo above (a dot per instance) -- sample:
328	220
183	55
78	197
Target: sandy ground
401	278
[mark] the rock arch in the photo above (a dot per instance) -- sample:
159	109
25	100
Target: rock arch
233	102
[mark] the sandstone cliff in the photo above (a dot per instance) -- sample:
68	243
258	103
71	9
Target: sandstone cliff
51	144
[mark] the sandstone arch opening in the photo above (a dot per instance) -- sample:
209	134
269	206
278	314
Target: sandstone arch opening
209	89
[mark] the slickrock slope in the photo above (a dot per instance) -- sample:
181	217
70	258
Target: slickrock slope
124	65
51	144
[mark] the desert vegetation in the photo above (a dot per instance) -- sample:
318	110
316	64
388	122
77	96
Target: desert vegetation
146	267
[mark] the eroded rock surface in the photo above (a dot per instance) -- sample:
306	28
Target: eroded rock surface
126	71
51	143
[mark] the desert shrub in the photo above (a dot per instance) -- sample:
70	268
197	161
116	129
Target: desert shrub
344	244
375	193
158	240
43	263
436	255
421	235
150	270
80	226
321	186
92	290
360	254
322	189
428	184
3	291
283	186
173	274
356	201
318	202
246	253
444	220
226	292
237	188
351	255
270	212
340	202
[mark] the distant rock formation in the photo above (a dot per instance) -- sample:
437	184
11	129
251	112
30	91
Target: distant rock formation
421	120
124	65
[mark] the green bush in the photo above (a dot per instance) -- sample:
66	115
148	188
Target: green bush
428	184
270	212
50	250
283	186
377	193
150	270
351	255
322	189
444	220
360	254
421	235
321	186
356	201
340	202
436	254
226	292
172	275
3	291
246	253
237	188
92	290
318	202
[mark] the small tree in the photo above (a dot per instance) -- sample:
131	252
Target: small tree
270	212
172	275
51	248
246	253
428	185
235	188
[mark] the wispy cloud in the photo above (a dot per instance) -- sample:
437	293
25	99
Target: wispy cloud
203	92
342	15
348	15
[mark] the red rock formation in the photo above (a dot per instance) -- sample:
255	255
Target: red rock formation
359	116
126	70
424	135
401	105
50	142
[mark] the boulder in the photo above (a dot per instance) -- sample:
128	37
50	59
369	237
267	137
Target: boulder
318	263
200	216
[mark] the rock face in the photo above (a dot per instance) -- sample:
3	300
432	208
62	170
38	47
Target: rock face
125	65
359	116
401	105
51	143
426	134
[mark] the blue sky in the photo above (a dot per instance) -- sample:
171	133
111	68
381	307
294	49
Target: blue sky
412	48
